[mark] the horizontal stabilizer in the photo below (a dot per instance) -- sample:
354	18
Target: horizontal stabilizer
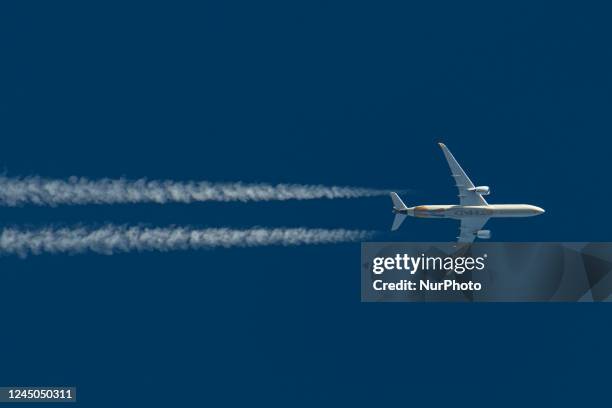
399	218
398	204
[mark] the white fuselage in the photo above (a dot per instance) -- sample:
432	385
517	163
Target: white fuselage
465	211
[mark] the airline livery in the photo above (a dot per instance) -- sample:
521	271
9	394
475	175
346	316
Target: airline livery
473	210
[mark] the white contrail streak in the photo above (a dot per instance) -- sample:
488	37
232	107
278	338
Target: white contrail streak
41	191
112	239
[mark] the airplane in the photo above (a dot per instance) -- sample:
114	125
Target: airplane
473	210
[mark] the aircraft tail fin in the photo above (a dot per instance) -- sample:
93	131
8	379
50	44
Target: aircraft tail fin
399	218
398	205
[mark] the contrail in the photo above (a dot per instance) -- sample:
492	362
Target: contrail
75	190
112	239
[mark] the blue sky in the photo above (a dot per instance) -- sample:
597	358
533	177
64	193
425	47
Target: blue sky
343	93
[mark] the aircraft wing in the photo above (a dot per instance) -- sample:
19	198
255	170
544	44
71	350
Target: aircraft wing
462	181
469	227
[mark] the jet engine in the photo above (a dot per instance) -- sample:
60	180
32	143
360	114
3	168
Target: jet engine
483	234
483	190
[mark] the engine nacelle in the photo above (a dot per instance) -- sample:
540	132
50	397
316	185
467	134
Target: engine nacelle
482	190
483	234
